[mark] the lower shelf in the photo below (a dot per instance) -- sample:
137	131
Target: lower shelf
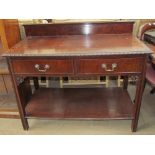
80	103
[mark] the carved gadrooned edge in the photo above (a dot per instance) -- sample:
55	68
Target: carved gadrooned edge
80	54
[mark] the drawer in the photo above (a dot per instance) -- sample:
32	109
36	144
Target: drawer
109	66
43	66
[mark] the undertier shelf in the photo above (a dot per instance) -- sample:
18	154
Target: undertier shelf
80	103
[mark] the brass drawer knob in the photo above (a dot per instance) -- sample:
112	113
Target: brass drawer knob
113	67
46	67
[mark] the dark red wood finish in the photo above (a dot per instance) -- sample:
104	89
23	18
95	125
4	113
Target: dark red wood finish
138	97
56	66
124	65
78	28
80	103
114	44
78	67
21	101
75	103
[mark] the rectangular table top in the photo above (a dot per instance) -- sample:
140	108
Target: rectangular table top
79	45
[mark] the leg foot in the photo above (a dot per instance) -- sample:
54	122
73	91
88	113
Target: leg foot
134	125
25	124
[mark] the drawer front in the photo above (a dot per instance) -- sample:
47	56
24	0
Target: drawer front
43	66
109	66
